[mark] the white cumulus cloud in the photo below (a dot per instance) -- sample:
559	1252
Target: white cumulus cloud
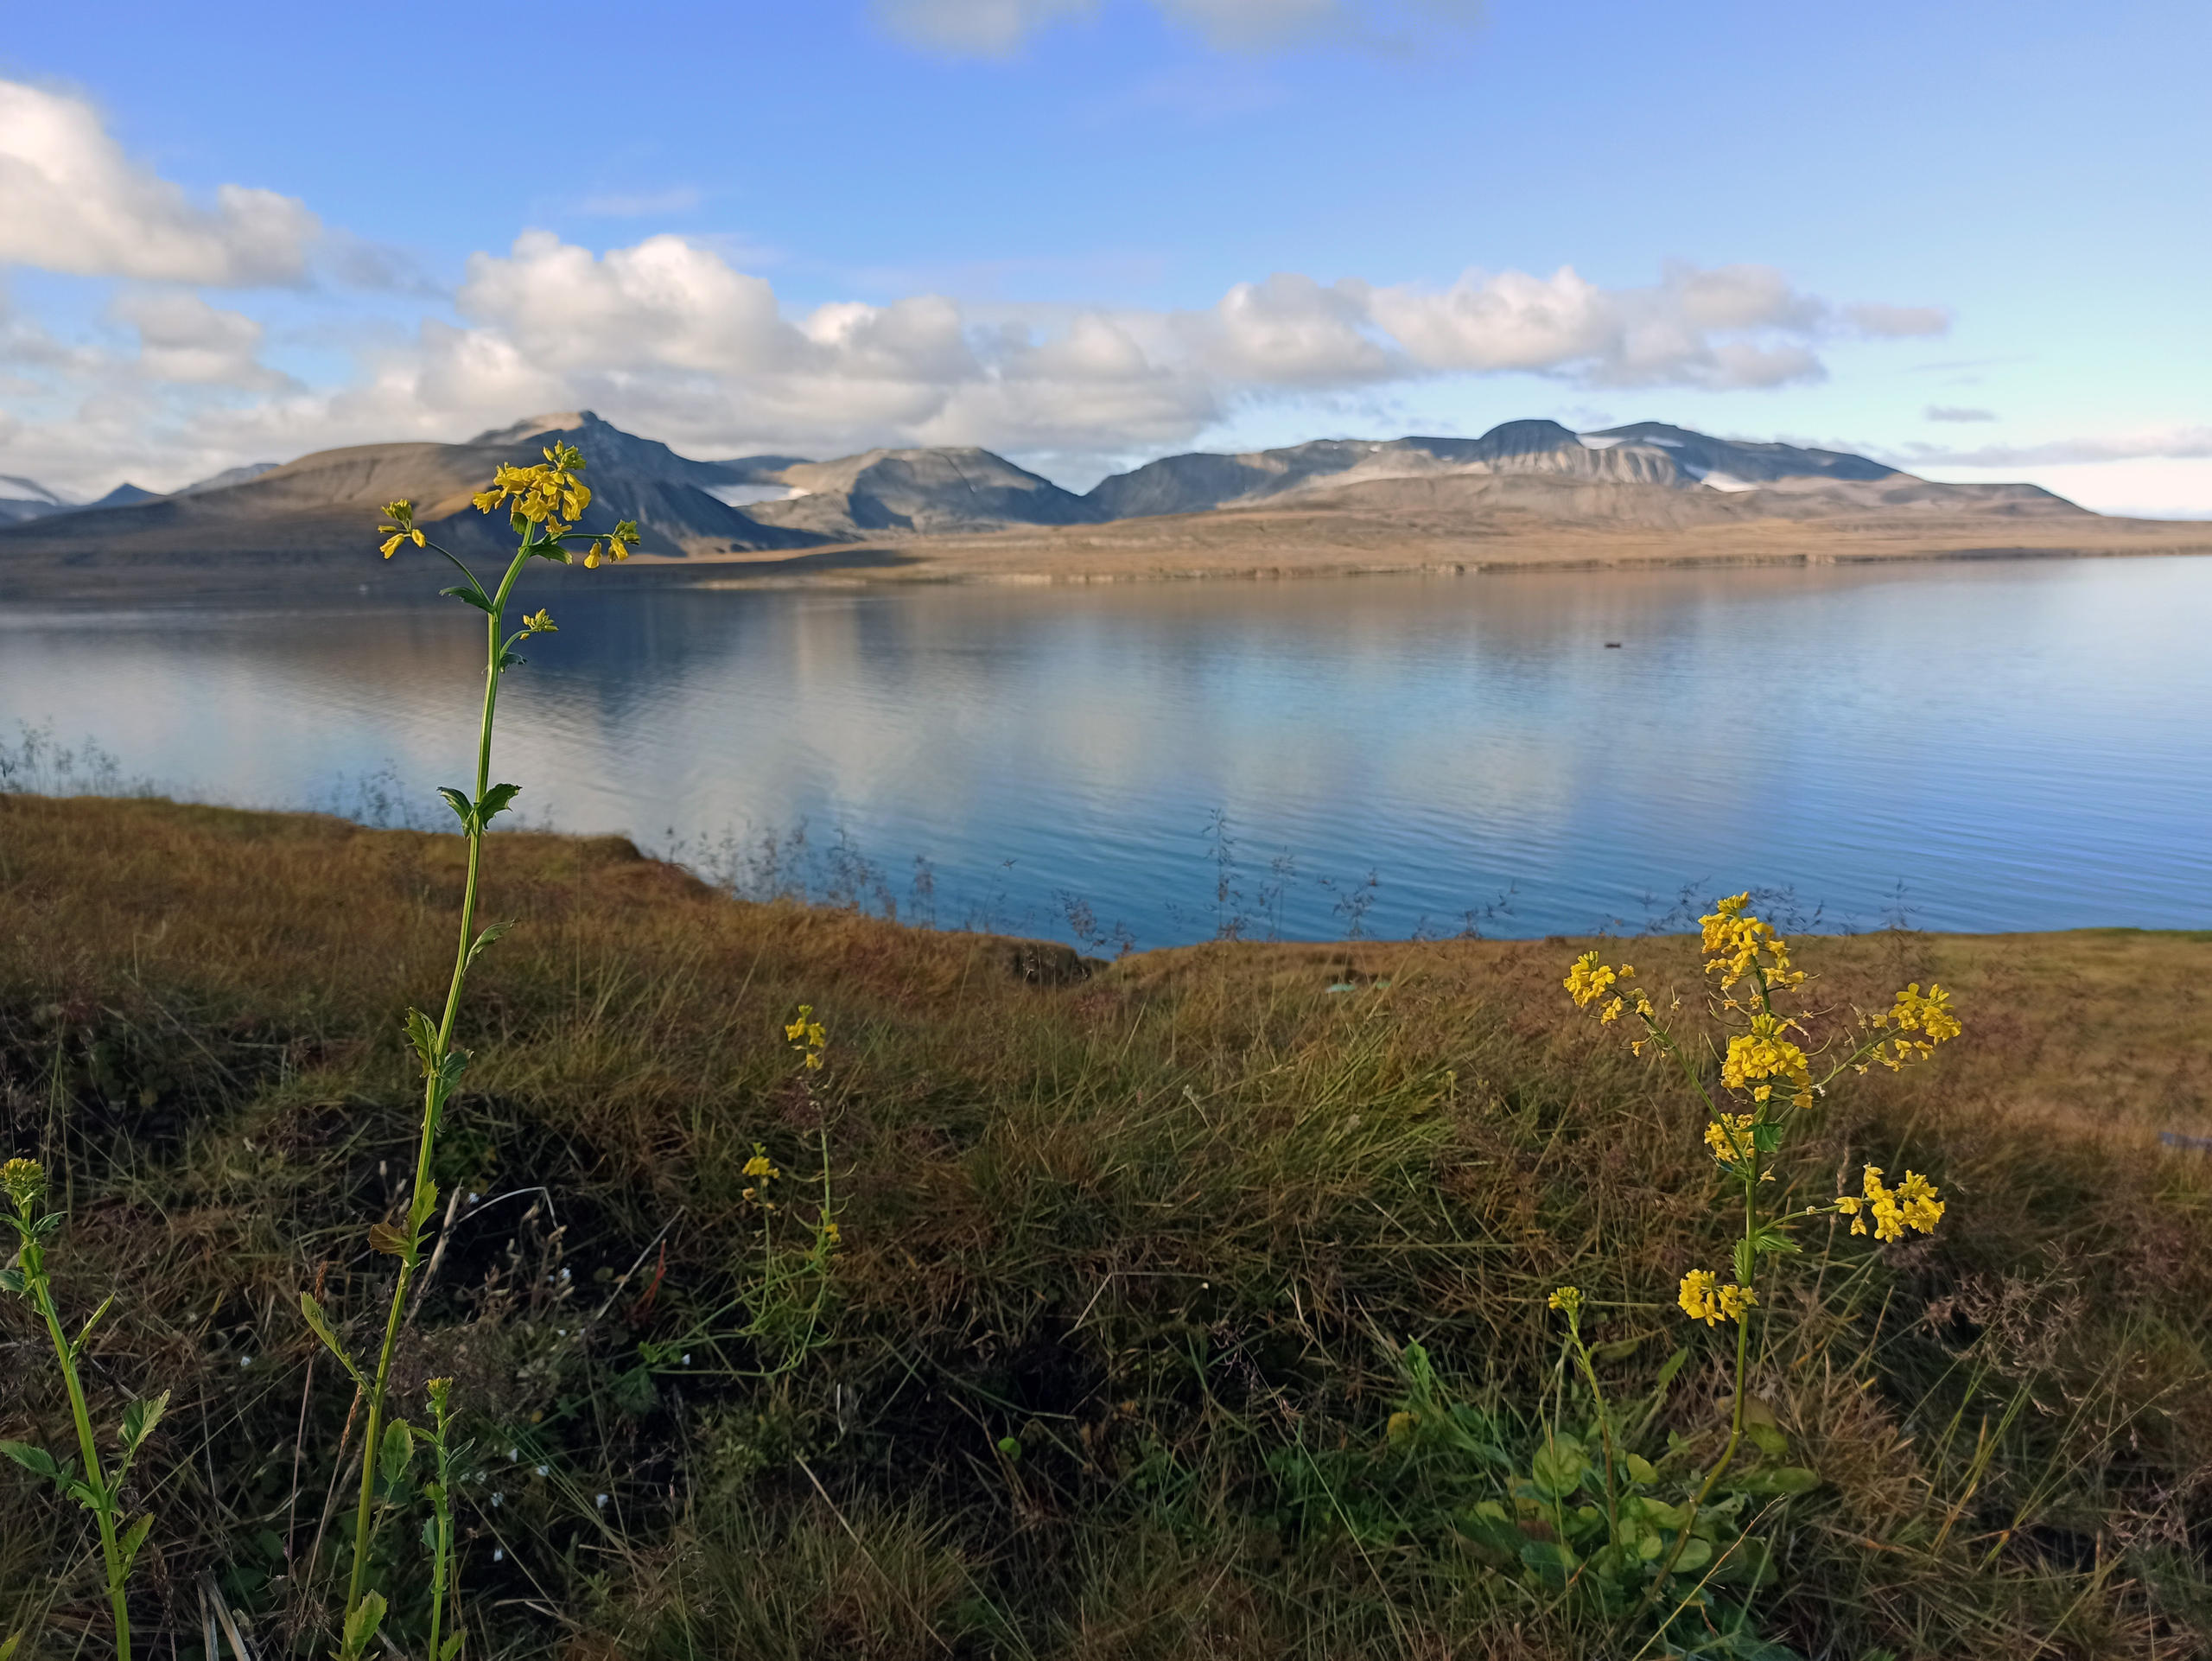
72	200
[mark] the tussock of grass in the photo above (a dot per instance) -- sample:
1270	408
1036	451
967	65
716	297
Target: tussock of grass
1129	1262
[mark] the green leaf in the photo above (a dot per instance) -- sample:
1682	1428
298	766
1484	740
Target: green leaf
1747	1563
361	1625
10	1645
495	802
492	932
1697	1554
475	597
390	1241
1486	1523
450	1067
133	1537
91	1321
11	1280
1619	1350
397	1452
1773	1239
462	812
1766	1136
423	1034
319	1322
36	1461
1639	1469
139	1420
1778	1480
1553	1561
509	659
447	1650
1746	1261
1672	1366
1772	1441
426	1201
1559	1466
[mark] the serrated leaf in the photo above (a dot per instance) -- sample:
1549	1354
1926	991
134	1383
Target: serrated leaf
391	1242
36	1461
1766	1136
508	660
140	1418
1746	1261
492	932
11	1280
495	802
133	1537
469	596
459	804
423	1034
1773	1239
361	1625
447	1650
318	1322
451	1065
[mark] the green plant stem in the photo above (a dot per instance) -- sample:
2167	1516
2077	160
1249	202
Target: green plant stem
1604	1427
1736	1416
87	1446
434	1087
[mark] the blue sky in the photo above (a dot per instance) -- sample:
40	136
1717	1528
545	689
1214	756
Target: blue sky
1970	239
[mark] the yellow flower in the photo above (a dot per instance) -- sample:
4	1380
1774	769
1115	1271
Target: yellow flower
25	1181
760	1167
1734	940
540	622
1911	1204
1401	1425
400	527
797	1029
1567	1300
1927	1014
549	495
1703	1299
830	1232
1764	1053
1588	980
1730	1137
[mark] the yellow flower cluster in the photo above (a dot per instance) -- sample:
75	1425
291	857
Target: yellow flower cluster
400	527
808	1036
1730	1137
546	494
25	1181
763	1171
1589	980
1702	1299
1567	1300
1926	1013
540	622
1911	1204
1735	941
1762	1054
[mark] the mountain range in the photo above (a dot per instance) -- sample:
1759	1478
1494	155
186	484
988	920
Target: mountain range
1524	478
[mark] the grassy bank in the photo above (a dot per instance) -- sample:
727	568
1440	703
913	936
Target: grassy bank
1104	1363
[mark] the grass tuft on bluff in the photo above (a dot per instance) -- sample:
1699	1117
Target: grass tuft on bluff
1133	1267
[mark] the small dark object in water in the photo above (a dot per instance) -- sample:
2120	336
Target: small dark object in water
1612	646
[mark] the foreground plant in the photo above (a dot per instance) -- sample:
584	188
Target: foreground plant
543	503
1757	1090
97	1489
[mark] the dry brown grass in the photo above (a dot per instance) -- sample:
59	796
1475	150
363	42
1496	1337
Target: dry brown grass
1164	1226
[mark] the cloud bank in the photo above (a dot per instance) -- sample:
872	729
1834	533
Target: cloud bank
670	335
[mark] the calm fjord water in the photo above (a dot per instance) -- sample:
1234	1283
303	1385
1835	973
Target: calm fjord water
2020	745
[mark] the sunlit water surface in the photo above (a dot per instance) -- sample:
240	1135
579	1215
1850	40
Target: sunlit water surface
2004	745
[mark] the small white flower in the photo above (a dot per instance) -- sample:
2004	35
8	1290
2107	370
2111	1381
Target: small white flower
543	1469
471	1199
499	1499
499	1554
246	1360
687	1360
513	1454
600	1502
564	1274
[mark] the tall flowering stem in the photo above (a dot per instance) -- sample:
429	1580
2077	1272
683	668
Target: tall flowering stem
1755	1090
544	503
97	1488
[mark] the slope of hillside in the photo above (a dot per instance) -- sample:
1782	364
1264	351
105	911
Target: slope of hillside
320	509
1623	466
919	491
